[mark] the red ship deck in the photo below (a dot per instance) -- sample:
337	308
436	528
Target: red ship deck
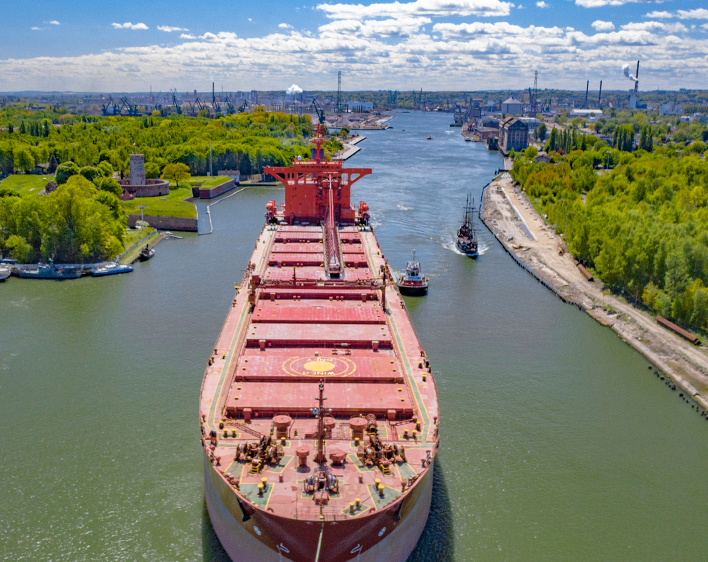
291	326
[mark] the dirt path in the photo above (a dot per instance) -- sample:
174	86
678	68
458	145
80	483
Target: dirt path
535	244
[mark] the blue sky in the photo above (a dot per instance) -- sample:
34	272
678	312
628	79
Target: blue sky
429	44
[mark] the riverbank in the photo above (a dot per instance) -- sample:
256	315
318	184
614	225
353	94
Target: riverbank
534	244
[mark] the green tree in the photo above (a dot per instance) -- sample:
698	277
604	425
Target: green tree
53	163
541	132
109	185
65	171
20	249
152	170
24	159
105	168
91	173
176	172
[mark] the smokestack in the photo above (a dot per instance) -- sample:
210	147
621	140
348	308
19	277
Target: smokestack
636	78
587	89
599	98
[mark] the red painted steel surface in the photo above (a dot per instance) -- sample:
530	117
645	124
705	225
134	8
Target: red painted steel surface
321	313
295	259
345	399
289	364
296	248
291	335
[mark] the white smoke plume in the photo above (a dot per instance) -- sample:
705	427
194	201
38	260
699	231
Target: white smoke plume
294	89
625	69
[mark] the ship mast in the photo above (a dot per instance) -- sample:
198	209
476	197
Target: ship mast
320	458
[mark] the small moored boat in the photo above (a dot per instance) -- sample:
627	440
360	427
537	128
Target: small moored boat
146	253
112	268
4	272
413	283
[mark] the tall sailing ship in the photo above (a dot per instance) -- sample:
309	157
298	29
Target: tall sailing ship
318	408
466	241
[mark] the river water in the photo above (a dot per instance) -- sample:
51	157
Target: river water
557	443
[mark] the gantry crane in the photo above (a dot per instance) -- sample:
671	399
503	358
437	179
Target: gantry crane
230	108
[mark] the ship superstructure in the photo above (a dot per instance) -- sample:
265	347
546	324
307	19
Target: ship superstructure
318	410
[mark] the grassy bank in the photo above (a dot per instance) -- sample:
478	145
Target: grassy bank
171	205
207	182
26	184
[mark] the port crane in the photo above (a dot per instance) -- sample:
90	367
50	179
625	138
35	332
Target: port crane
319	111
230	107
200	104
178	109
244	106
130	108
112	104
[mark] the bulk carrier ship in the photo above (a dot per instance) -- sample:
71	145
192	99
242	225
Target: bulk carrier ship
318	408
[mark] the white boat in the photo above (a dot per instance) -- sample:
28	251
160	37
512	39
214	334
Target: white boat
112	268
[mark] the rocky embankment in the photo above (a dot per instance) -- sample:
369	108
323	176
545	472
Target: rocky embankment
536	247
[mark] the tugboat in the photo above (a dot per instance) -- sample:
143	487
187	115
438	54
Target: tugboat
430	138
111	269
466	242
51	271
146	253
413	283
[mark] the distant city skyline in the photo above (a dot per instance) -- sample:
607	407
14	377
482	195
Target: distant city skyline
430	44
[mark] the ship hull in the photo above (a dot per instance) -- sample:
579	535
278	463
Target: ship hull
242	545
466	251
413	290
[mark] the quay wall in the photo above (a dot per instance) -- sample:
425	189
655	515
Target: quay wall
216	191
166	223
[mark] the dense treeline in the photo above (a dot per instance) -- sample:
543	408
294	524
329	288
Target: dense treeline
77	223
83	220
246	142
643	226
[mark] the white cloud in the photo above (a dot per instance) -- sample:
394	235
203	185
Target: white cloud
600	3
375	28
697	14
187	36
294	89
36	29
54	22
249	19
128	25
656	26
659	15
431	8
285	26
453	56
170	29
542	4
600	25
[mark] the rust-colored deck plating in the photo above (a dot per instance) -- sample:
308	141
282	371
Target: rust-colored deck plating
292	326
